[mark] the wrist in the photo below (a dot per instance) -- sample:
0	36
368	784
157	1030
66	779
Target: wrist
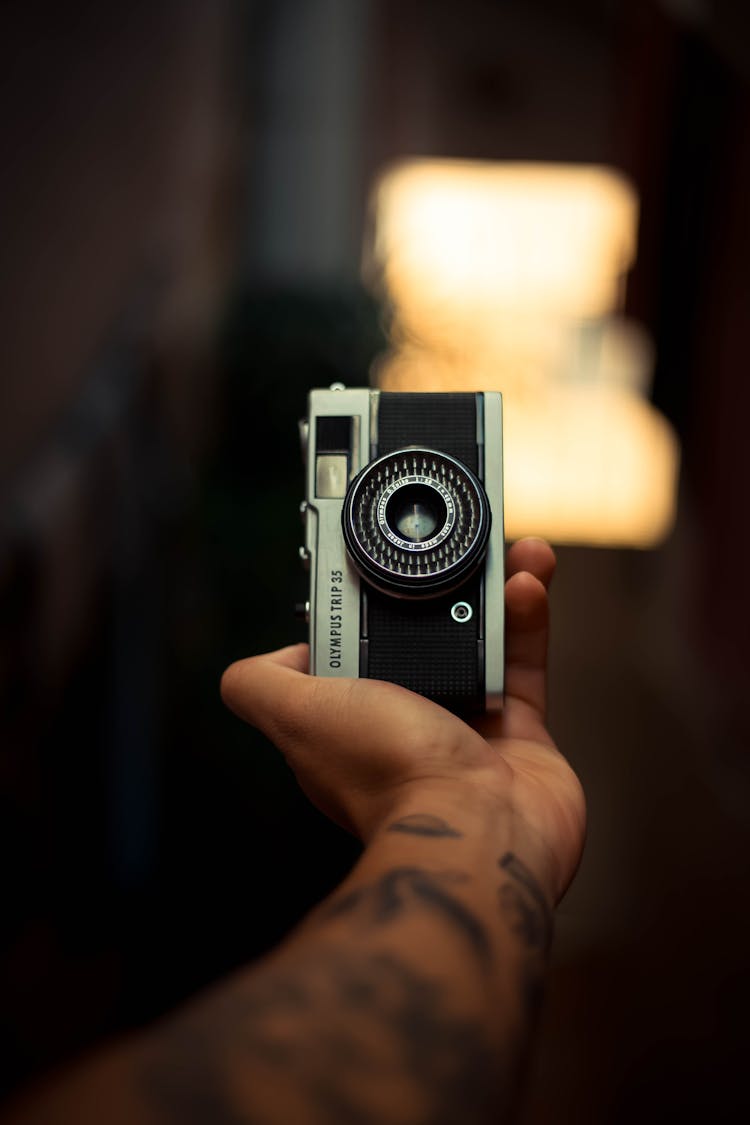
427	809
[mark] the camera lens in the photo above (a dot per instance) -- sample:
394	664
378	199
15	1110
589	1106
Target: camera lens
416	522
415	512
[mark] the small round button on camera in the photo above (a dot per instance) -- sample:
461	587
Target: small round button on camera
462	612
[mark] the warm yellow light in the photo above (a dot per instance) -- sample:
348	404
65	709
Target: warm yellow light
506	277
584	463
468	239
593	465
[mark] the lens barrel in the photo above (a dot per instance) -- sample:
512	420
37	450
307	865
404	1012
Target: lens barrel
416	522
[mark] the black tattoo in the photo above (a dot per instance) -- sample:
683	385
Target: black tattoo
523	901
357	1038
422	824
524	904
382	902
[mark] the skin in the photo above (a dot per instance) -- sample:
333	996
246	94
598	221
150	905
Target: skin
410	995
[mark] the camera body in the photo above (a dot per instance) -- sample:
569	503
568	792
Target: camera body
404	541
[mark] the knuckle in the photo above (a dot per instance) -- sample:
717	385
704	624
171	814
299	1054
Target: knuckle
232	680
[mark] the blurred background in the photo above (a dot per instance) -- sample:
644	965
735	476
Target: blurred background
209	207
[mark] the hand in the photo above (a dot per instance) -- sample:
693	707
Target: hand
358	747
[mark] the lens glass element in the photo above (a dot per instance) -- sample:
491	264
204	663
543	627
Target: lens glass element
416	522
415	512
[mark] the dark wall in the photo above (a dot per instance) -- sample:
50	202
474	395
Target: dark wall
117	213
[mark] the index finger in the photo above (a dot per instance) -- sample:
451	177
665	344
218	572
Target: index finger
530	566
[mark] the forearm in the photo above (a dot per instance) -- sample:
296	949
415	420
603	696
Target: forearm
407	997
448	918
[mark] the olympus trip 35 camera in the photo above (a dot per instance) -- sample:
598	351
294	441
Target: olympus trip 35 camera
404	541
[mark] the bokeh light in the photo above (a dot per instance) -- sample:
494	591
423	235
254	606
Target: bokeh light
511	277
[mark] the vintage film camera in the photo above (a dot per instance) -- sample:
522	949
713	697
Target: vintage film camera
404	541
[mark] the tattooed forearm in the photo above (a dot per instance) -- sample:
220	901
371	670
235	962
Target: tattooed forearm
402	889
422	824
342	1029
354	1038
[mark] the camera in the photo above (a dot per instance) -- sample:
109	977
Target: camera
404	541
